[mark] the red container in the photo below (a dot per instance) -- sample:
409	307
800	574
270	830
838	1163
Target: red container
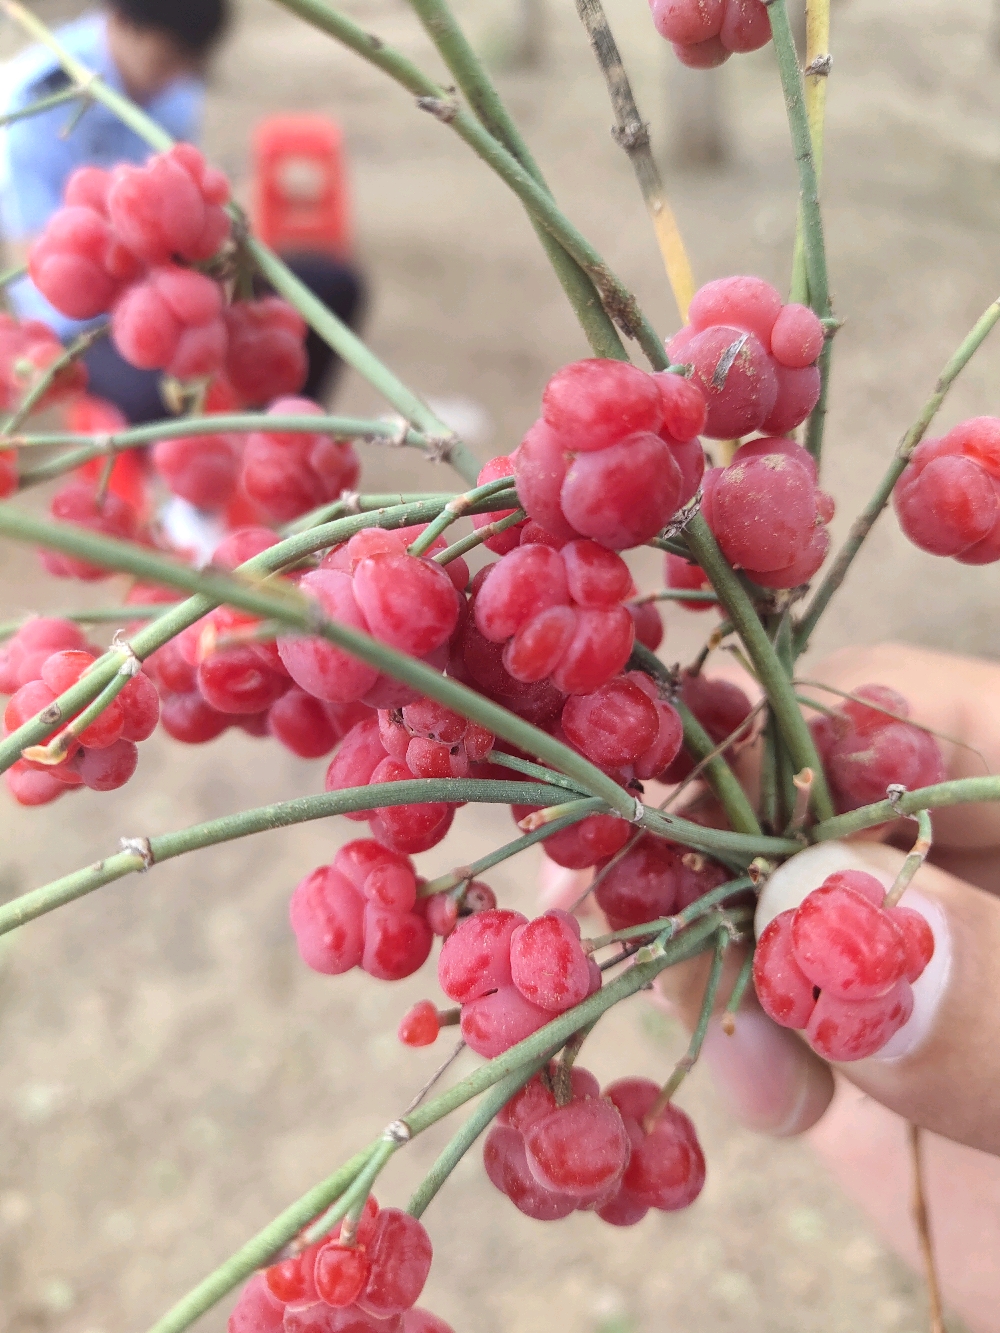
300	195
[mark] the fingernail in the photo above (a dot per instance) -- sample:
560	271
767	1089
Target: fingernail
797	877
769	1081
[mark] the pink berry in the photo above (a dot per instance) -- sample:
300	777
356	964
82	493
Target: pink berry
593	404
400	1255
785	992
581	1149
847	946
842	1030
419	1026
548	965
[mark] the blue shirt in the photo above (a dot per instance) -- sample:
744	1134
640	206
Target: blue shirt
37	156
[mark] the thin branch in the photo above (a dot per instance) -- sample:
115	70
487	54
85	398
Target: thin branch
918	855
631	133
817	78
921	1220
40	388
958	791
865	521
489	110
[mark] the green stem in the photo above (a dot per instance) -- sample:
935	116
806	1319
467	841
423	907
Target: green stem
457	507
40	388
716	770
357	1191
671	926
489	110
865	521
42	105
493	1101
674	595
283	603
777	685
798	124
769	776
688	1060
261	1248
461	874
918	855
56	749
101	615
540	1045
817	417
617	300
332	330
282	814
534	771
739	990
478	537
145	641
959	791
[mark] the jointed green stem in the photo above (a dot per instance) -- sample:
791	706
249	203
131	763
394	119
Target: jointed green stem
463	873
717	773
357	1191
40	388
453	1152
865	521
687	1062
478	537
141	853
776	683
542	1044
617	300
283	603
489	110
918	855
667	927
959	791
42	105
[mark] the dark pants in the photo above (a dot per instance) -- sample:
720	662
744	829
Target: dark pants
137	392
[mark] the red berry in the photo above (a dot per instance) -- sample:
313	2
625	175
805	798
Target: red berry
340	1273
666	1169
33	786
419	1026
733	370
507	1167
505	541
687	22
918	939
187	717
623	495
258	1310
613	725
547	963
593	404
536	1099
288	473
77	503
327	916
842	1030
317	666
647	624
422	1321
266	357
170	207
581	1149
494	1023
846	945
409	602
400	1254
172	321
587	843
797	337
785	992
396	943
202	469
475	959
78	265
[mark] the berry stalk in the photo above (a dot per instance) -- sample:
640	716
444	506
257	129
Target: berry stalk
488	108
43	104
617	300
40	388
776	684
631	133
918	855
287	605
865	521
282	814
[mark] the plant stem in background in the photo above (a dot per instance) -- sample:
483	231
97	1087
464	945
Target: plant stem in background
631	133
489	110
147	852
617	300
959	791
817	74
865	521
776	683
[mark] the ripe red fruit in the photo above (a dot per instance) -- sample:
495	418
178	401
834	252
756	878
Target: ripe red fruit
733	370
681	574
475	958
78	263
613	725
647	623
108	768
581	1149
666	1169
317	666
594	404
843	1030
506	1164
948	499
536	1099
502	466
33	786
419	1026
77	503
340	1273
720	706
547	963
494	1023
266	357
585	844
623	495
288	473
172	321
201	469
409	602
400	1253
785	992
258	1310
846	945
645	884
171	207
918	939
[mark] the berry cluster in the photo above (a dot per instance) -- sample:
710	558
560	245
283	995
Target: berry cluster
751	356
286	475
43	659
83	504
767	512
124	242
705	33
558	614
613	456
362	911
840	966
369	1285
587	1151
867	744
948	499
652	880
723	711
27	350
512	976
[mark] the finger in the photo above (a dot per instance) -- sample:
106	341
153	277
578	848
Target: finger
768	1079
941	1070
958	697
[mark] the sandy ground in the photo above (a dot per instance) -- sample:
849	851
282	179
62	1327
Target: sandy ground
172	1075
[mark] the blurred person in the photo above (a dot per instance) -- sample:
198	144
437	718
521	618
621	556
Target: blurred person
156	52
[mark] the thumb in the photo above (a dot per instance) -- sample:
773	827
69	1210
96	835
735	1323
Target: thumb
942	1068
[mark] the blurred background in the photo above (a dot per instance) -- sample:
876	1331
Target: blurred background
173	1076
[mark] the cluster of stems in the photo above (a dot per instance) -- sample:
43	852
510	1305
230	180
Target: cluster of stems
795	806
